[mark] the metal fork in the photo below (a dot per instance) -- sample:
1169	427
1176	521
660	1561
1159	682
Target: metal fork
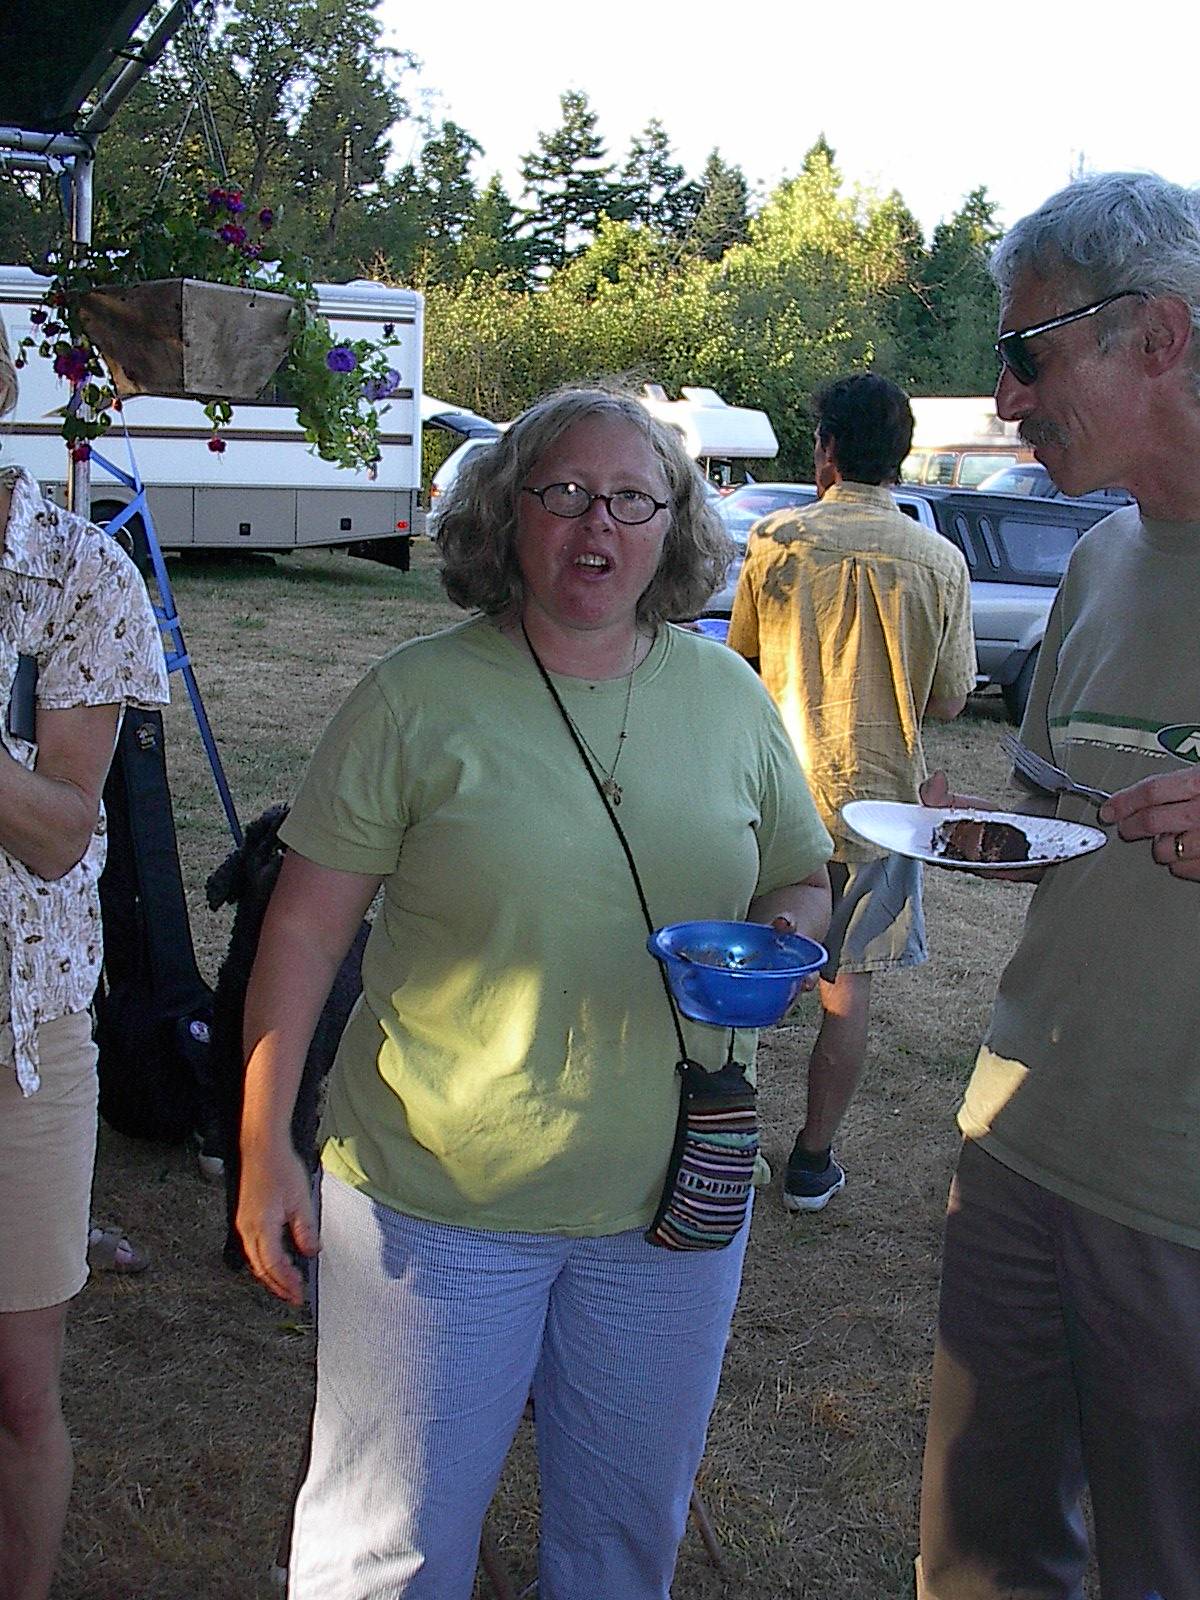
1045	775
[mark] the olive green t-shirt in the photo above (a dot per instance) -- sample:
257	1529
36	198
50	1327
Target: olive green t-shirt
1089	1080
511	1064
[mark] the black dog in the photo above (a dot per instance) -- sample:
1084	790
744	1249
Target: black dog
245	879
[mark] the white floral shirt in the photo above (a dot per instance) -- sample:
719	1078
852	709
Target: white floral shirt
72	599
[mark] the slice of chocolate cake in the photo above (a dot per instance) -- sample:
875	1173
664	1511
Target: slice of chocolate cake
974	839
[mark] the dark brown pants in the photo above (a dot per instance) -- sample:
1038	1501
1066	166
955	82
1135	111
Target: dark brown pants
1068	1351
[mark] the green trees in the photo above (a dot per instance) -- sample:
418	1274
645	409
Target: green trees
637	269
568	180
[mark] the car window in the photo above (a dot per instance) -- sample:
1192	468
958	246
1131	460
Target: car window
742	509
1036	550
940	468
1028	477
975	468
964	542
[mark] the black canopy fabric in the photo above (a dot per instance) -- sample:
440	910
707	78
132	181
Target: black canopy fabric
56	52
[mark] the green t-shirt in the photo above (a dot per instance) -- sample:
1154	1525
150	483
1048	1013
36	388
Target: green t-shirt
511	1063
1089	1082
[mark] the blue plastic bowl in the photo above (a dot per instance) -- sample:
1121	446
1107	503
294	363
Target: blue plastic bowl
734	974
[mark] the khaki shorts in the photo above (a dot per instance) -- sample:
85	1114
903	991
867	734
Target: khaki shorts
878	921
47	1153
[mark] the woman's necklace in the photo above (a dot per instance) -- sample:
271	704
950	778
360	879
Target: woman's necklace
609	787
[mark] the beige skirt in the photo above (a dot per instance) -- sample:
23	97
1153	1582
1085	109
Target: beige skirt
47	1153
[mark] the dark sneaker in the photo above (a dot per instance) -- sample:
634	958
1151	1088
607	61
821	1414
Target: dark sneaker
811	1191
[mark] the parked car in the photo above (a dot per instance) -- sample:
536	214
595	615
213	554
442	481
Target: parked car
1016	549
960	466
1030	477
448	471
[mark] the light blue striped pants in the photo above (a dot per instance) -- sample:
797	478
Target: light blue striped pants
430	1340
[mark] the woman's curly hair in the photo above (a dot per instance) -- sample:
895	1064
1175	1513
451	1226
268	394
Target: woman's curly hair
478	524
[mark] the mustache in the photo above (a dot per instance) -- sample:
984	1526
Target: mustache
1035	431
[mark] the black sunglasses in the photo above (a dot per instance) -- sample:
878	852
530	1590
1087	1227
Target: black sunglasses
1020	361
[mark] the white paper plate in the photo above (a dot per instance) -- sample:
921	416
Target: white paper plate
908	831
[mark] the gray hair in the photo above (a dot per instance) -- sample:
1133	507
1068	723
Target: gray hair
478	524
1112	231
8	375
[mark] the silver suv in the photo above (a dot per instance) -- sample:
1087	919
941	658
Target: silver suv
1016	548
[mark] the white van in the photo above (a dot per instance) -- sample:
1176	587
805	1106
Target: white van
268	490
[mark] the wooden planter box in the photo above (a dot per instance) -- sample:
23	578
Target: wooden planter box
188	340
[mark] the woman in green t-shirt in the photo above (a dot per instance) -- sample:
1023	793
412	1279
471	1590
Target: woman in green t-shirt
502	1109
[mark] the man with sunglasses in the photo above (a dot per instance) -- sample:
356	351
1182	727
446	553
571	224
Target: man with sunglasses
1068	1344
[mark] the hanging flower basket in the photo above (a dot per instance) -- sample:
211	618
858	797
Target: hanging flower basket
186	339
201	304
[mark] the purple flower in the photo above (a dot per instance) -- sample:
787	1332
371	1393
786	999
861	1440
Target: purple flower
217	445
72	364
252	251
233	234
266	218
234	203
81	452
389	329
39	316
381	388
341	359
217	198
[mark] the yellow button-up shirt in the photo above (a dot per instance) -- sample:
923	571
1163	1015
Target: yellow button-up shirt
858	616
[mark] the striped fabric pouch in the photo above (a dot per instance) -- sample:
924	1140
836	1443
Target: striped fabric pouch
709	1175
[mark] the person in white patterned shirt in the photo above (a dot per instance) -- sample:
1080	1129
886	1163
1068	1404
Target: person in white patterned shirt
73	603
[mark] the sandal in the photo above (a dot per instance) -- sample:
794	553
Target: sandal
111	1250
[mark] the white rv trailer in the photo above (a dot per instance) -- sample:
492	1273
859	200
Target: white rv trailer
268	490
714	433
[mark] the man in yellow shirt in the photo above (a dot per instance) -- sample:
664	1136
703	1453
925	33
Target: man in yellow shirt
859	621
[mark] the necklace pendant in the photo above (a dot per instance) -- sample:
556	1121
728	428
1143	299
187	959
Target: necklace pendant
612	791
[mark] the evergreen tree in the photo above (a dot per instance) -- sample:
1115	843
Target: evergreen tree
955	354
490	242
722	207
444	201
568	180
652	190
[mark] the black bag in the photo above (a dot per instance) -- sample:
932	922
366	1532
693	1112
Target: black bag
153	1009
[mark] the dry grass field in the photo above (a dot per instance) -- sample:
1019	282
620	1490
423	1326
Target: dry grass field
187	1387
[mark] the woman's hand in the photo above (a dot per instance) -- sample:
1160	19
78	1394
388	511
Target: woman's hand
797	908
275	1208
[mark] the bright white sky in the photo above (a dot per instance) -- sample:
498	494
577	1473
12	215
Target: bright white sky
930	98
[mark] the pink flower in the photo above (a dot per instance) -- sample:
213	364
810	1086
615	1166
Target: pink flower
81	452
232	233
217	445
72	364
